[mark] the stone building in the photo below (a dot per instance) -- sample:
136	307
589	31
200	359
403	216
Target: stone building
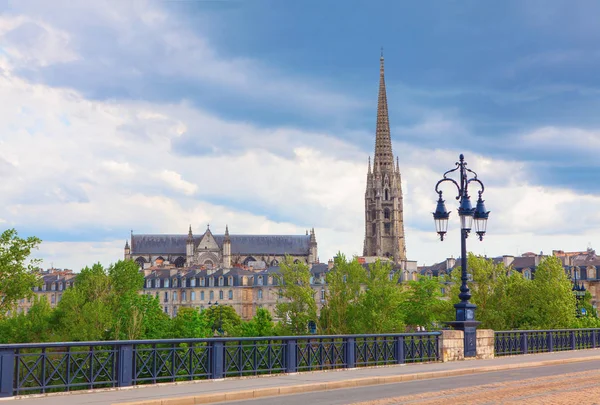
384	222
219	251
53	283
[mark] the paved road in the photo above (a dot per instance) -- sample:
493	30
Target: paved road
569	383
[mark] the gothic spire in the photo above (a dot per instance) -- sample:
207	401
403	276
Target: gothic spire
190	235
383	141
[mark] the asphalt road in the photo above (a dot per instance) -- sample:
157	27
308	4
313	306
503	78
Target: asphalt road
378	392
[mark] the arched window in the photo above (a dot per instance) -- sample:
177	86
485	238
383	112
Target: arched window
221	281
274	262
387	194
211	295
386	213
221	294
179	262
140	261
527	274
248	260
230	281
230	294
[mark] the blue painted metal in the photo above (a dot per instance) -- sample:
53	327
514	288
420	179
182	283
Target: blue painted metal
54	367
517	342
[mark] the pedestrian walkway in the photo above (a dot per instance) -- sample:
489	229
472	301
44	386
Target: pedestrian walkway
209	391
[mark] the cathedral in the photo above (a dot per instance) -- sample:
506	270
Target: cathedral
384	222
220	251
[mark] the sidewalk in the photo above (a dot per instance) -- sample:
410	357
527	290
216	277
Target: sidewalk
209	391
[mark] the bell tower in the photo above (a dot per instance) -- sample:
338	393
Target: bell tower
384	221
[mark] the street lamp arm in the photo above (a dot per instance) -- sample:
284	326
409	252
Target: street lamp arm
450	180
476	180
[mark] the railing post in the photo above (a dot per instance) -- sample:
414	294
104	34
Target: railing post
524	342
550	337
290	354
218	356
399	349
7	372
350	353
593	338
125	366
573	340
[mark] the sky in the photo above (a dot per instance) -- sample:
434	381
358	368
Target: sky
260	114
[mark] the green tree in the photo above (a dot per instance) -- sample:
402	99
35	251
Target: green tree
260	325
379	308
423	304
343	292
223	317
18	273
298	305
189	323
552	300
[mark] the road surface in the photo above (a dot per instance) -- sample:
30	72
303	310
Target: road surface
560	384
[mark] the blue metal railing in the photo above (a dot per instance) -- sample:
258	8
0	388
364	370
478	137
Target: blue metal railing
55	367
515	342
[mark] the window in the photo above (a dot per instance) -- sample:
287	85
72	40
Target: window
174	295
183	296
166	310
201	295
193	296
280	293
174	311
386	213
36	288
52	299
146	284
260	280
211	282
311	280
221	294
60	286
167	283
59	297
387	194
184	282
174	283
202	282
53	287
166	296
230	281
44	287
322	294
193	282
211	296
260	294
221	281
230	294
387	227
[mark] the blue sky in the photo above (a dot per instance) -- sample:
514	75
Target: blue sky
151	115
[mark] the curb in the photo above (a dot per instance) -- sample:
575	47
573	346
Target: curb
357	382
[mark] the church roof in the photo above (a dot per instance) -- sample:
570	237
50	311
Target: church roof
240	244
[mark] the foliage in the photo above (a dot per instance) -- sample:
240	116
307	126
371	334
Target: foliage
17	270
379	309
189	323
222	318
260	325
423	305
298	305
343	294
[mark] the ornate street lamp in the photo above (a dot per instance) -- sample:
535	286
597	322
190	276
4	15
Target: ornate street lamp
465	310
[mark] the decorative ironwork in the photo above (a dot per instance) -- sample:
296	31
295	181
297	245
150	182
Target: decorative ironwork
54	367
516	342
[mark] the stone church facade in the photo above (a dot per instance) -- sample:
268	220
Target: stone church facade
384	213
220	251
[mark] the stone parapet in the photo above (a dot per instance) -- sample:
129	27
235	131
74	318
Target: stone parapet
452	345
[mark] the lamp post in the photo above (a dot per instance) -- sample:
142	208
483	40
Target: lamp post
220	328
465	310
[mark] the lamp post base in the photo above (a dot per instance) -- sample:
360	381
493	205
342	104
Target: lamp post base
465	321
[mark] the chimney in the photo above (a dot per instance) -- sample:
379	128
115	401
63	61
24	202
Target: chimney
450	263
507	260
330	264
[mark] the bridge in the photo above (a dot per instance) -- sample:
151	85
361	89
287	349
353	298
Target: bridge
208	370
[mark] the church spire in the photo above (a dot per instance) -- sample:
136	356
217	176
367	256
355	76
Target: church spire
383	141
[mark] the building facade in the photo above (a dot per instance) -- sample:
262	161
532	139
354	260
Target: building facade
219	251
384	221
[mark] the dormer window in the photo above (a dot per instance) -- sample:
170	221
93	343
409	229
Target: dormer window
166	283
260	280
230	281
60	286
193	282
221	281
53	287
202	281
